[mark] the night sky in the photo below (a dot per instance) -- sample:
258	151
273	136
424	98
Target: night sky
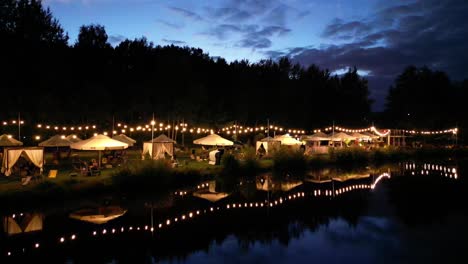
381	38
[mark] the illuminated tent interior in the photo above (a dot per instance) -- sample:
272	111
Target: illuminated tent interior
11	155
158	147
269	144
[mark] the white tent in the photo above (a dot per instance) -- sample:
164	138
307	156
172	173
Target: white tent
8	141
73	138
11	156
213	140
319	136
160	145
99	142
268	144
56	141
125	139
341	136
286	139
360	136
372	136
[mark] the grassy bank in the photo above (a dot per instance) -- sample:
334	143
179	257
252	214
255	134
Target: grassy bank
159	177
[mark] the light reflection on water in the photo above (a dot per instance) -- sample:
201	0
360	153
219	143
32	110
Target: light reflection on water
329	216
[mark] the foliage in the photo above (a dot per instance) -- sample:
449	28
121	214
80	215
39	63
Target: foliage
289	160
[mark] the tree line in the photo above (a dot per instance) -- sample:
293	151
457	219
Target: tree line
45	78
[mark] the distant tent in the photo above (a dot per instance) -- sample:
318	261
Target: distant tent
158	147
360	136
8	141
341	136
125	139
99	142
319	136
286	139
268	144
213	140
73	138
56	141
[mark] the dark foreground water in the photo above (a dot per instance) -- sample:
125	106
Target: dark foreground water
403	213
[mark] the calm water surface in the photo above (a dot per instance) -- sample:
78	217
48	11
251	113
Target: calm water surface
403	213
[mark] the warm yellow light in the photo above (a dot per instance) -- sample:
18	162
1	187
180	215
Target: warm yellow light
105	133
39	126
153	122
62	136
38	137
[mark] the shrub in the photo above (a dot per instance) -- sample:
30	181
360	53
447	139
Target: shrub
288	160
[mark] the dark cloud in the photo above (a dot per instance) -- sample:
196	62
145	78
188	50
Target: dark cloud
252	36
255	43
186	13
169	24
339	28
431	33
175	42
116	39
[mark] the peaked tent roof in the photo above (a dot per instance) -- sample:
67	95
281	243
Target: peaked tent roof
162	139
99	142
269	139
8	141
213	140
73	138
341	136
286	139
360	136
56	141
125	139
319	136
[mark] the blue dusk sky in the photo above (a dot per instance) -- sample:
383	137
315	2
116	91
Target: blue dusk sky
379	37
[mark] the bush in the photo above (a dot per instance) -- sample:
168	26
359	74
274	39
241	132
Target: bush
288	160
250	165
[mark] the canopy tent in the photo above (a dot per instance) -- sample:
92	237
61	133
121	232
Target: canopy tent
12	155
125	139
27	222
213	140
372	136
56	141
99	142
286	139
73	138
341	136
360	136
319	136
8	141
158	147
268	144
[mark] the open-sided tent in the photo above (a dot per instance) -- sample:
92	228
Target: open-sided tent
360	136
73	138
287	140
213	140
158	146
319	136
268	143
8	141
125	139
56	141
99	143
11	156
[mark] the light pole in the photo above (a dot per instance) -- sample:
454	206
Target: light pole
152	135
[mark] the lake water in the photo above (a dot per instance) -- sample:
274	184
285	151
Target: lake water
401	213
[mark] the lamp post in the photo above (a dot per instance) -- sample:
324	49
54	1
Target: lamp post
152	135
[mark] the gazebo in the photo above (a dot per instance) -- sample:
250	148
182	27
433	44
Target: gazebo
268	144
9	141
158	147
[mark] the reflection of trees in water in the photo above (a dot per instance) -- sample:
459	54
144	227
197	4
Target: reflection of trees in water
426	199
